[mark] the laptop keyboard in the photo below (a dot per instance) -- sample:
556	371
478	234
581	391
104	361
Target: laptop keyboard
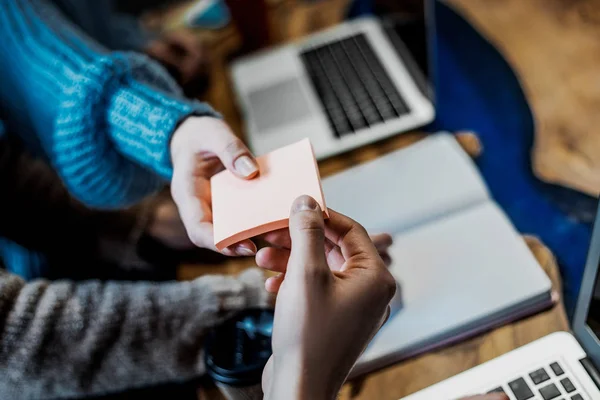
354	88
546	383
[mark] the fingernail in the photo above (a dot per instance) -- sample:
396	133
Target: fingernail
245	166
305	203
244	251
228	251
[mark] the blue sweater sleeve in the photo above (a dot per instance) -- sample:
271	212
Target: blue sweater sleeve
109	115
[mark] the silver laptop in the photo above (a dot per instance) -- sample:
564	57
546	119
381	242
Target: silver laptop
353	84
558	366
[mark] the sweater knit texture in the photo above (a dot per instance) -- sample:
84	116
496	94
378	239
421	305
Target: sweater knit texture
66	340
102	118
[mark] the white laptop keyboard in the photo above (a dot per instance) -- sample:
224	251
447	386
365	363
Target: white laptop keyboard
548	382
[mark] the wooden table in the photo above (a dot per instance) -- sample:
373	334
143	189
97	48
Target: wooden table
292	19
554	48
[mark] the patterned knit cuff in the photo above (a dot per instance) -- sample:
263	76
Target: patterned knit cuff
142	120
113	128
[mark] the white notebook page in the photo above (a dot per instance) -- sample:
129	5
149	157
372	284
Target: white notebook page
454	272
408	187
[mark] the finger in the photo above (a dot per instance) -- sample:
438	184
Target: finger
273	259
191	193
245	248
214	135
184	191
207	165
382	241
335	258
386	316
387	260
201	234
267	376
273	283
308	239
349	236
196	214
279	238
276	259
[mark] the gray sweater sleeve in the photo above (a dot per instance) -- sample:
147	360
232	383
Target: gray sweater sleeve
63	339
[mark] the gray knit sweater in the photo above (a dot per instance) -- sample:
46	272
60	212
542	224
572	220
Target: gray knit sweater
63	339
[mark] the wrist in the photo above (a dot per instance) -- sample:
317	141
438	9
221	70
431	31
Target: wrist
294	379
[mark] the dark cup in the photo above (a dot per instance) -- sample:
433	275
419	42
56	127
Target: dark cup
237	351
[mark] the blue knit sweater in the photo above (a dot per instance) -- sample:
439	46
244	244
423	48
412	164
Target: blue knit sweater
102	118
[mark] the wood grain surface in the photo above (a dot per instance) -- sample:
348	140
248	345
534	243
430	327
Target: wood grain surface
292	19
554	48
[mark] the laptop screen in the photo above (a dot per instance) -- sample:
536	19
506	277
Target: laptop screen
408	25
586	321
593	317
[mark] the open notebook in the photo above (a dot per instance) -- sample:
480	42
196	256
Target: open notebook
462	265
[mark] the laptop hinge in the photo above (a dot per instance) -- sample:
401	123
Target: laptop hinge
588	365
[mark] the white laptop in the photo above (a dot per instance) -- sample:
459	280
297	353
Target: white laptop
351	85
560	366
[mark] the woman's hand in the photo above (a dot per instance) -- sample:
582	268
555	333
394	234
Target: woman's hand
333	300
200	148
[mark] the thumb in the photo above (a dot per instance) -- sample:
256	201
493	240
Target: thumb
207	134
308	238
232	152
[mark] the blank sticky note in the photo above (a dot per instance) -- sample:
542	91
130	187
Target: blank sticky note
243	209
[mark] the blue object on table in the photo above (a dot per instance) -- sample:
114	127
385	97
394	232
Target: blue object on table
208	14
477	90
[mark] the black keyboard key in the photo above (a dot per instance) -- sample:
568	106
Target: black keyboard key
577	397
497	390
568	385
550	392
558	371
520	389
348	76
539	376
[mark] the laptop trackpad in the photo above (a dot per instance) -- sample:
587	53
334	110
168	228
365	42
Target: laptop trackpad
278	105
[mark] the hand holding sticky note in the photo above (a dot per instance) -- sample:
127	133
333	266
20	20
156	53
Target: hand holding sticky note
243	209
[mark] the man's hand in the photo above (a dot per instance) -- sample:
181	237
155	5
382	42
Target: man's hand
274	257
201	147
333	300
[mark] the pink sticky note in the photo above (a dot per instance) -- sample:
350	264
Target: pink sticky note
246	208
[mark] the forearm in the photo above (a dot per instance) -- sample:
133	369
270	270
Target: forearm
66	340
108	117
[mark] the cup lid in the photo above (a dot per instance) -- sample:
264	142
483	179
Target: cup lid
237	351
